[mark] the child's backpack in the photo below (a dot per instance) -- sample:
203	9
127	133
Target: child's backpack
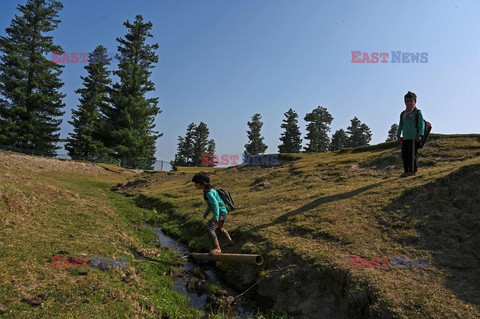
428	128
226	196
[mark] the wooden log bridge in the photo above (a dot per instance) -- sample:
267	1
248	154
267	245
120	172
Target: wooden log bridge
230	258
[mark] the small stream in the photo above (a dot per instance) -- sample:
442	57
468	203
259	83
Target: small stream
194	272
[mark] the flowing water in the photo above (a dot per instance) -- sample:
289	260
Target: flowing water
191	269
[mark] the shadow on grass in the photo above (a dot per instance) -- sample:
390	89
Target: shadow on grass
445	214
321	201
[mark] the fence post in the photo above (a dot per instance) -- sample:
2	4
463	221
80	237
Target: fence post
161	166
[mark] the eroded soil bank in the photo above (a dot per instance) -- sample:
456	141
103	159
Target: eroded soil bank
200	283
286	282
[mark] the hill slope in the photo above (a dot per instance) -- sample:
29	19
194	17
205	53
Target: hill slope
314	212
50	207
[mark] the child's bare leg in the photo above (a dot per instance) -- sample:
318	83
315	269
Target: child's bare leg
212	225
225	233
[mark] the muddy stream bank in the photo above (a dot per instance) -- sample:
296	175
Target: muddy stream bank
199	282
286	283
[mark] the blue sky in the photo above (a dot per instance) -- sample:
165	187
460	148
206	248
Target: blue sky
222	61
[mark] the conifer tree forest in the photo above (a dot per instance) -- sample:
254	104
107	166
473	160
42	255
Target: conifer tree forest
117	108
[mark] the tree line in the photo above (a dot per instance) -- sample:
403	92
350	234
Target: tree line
116	119
192	145
112	119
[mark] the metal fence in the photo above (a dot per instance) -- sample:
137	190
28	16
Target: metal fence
162	166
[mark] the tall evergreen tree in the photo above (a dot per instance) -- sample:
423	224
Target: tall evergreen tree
180	159
339	140
291	141
200	143
211	151
131	120
392	133
30	100
318	127
191	147
211	146
358	133
256	145
189	144
87	139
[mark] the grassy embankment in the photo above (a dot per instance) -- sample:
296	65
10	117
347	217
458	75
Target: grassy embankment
50	207
319	210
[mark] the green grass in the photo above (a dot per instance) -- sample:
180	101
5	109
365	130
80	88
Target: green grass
321	209
51	212
314	211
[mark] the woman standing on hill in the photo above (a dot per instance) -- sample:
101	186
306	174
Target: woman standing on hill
215	205
412	126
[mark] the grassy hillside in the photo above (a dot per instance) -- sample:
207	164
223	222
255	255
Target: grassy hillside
51	208
313	212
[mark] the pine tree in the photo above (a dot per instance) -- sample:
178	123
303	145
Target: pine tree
339	140
211	147
200	143
318	127
392	133
358	133
132	118
191	147
211	151
189	144
180	159
30	100
87	139
291	141
256	145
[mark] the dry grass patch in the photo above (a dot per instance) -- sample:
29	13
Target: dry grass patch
329	207
58	208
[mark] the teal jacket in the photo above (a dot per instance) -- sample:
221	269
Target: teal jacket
408	126
215	204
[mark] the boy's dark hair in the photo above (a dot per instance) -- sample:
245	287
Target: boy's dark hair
201	178
410	95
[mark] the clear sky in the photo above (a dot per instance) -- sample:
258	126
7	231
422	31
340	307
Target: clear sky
221	61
